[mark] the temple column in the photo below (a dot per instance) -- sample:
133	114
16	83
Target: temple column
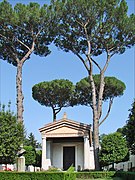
48	154
86	152
48	149
92	162
43	152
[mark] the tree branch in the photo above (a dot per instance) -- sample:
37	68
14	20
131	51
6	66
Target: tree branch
87	37
83	61
107	61
22	44
102	83
109	109
59	109
28	53
38	33
80	23
3	36
12	53
96	64
90	70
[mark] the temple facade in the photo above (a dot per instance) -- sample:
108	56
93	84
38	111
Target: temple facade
66	142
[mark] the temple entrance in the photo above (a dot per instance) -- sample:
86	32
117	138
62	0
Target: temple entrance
68	157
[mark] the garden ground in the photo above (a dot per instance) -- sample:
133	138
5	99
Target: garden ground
116	178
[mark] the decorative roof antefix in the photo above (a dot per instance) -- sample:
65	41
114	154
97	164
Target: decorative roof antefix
65	122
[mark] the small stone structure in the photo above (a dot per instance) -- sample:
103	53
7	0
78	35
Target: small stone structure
66	142
21	164
21	160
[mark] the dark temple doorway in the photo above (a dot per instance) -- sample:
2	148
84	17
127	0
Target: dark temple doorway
68	157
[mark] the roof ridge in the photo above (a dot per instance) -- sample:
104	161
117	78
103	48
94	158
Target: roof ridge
69	121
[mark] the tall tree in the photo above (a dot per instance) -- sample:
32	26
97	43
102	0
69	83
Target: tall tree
31	141
90	28
24	29
113	88
129	129
38	158
113	149
30	155
55	94
33	151
11	135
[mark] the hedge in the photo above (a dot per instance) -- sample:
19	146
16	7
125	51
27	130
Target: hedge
125	175
65	175
36	176
69	175
48	175
95	174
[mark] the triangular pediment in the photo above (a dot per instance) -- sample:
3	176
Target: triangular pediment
64	131
65	128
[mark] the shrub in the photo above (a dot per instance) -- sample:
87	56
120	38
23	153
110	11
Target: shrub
32	176
125	175
95	174
53	169
70	175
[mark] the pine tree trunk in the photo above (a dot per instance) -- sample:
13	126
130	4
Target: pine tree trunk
96	141
20	97
97	110
54	115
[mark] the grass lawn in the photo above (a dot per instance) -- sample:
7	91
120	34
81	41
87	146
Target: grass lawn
103	179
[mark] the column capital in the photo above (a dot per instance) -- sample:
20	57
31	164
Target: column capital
43	136
85	136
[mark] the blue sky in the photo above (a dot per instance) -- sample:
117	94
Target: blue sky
61	65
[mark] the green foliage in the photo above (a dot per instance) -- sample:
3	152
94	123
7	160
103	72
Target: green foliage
53	169
38	158
70	169
61	175
24	29
126	175
33	176
101	137
55	94
31	146
30	155
129	129
113	88
90	28
108	26
23	25
31	141
95	174
11	135
121	130
70	175
6	11
113	149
